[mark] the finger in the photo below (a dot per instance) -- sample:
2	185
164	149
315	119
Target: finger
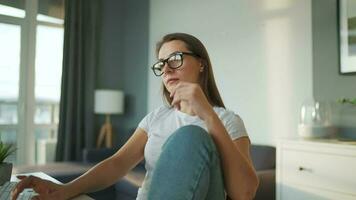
37	197
175	103
44	187
171	94
178	106
43	197
27	182
174	90
177	87
183	94
50	196
19	187
176	99
21	177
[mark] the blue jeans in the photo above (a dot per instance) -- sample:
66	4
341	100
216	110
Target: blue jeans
188	168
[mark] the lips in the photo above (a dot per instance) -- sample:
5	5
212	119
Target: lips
171	80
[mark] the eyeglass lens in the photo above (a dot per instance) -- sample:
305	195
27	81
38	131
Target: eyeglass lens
174	62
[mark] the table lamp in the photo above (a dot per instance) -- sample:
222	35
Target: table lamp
108	102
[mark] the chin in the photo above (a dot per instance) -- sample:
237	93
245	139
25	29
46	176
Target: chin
168	88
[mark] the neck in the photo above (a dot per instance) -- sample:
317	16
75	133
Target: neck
184	107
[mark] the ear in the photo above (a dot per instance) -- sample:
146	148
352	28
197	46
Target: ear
202	65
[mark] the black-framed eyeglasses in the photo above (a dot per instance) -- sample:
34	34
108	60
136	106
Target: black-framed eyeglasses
174	61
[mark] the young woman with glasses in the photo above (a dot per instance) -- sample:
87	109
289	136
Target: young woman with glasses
194	148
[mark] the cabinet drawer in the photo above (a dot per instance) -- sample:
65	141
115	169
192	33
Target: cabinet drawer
320	170
298	192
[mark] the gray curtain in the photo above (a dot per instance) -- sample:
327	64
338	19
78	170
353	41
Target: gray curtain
80	58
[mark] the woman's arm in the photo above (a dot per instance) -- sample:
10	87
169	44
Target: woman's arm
110	170
241	181
240	178
100	176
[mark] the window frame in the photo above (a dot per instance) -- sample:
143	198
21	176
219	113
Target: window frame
25	127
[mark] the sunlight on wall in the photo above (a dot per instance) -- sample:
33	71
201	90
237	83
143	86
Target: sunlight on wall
279	76
289	64
276	5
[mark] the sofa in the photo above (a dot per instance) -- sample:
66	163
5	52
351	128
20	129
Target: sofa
264	161
263	158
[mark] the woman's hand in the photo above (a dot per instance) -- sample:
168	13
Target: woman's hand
192	95
45	189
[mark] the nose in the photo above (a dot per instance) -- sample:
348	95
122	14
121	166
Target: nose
166	68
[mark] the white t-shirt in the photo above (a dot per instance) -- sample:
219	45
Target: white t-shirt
163	121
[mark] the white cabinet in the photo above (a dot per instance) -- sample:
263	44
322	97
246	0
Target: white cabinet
316	170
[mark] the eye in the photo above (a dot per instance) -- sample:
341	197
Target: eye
158	66
175	61
175	57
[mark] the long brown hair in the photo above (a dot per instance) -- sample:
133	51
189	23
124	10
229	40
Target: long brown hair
207	81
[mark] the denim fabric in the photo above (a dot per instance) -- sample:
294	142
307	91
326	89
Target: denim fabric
188	168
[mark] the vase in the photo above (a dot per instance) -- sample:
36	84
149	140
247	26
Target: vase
5	172
316	120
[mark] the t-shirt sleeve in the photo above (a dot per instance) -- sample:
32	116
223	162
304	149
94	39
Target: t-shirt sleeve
234	125
146	122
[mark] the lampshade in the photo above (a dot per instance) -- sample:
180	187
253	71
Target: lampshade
109	102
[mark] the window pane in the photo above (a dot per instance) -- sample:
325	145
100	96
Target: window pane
9	72
49	54
56	114
43	134
8	112
45	145
43	114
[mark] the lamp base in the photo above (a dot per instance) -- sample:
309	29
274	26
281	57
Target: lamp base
105	133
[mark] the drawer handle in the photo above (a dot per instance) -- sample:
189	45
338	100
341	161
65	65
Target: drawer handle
305	169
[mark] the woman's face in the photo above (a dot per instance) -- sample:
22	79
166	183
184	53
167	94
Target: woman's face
189	71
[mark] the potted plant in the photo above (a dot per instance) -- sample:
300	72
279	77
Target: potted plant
347	118
348	101
5	168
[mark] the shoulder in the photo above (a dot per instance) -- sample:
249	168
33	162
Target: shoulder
160	111
153	116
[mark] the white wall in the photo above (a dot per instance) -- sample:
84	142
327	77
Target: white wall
261	52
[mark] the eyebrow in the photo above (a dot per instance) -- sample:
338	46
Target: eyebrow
161	59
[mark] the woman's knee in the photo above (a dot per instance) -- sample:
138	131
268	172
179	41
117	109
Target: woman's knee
191	135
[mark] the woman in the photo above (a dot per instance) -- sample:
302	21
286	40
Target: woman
194	148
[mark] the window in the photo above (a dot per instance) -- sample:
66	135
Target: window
10	39
30	74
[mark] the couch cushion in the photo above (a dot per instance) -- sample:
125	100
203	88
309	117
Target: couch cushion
129	184
263	157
